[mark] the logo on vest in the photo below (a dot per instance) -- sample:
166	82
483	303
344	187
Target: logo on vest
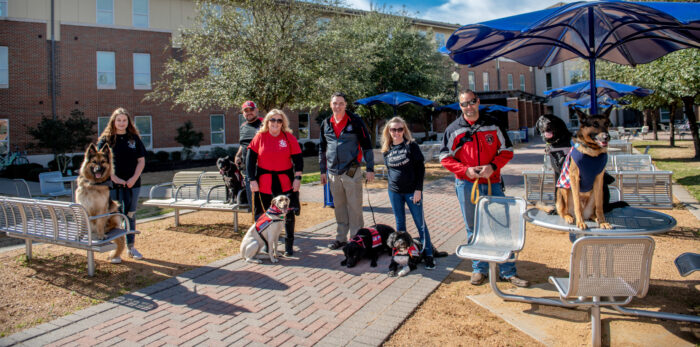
489	139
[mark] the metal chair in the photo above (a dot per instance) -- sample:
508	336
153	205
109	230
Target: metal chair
687	263
50	188
617	266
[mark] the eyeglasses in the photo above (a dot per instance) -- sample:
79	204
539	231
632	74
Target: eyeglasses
396	130
468	103
276	120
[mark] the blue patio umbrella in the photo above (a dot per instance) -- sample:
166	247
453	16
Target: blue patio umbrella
612	89
622	32
483	107
394	99
603	103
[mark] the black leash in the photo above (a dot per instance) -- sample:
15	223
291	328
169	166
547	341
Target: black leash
370	203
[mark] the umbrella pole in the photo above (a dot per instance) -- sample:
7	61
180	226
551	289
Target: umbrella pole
594	89
591	62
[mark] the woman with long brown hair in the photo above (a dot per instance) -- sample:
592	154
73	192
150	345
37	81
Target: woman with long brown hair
129	156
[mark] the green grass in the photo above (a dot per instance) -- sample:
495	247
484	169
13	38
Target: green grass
311	177
679	159
150	211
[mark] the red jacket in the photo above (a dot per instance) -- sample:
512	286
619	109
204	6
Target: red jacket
482	143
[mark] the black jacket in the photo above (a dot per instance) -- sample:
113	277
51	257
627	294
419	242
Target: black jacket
336	154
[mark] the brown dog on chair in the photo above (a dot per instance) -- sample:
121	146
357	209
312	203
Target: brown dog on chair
581	182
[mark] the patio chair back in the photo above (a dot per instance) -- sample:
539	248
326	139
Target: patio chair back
499	229
52	188
610	266
634	162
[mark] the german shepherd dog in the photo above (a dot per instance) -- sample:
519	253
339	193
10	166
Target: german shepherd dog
232	178
581	183
93	193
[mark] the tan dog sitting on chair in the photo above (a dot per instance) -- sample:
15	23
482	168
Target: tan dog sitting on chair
266	230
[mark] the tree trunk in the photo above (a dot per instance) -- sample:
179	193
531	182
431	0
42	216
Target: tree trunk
646	114
672	119
692	121
655	125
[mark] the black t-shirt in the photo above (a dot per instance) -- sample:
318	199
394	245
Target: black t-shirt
406	167
247	133
126	153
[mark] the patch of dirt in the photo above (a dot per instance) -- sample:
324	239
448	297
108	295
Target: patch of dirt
449	318
55	282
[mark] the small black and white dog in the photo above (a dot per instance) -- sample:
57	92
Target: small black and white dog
232	178
367	243
406	253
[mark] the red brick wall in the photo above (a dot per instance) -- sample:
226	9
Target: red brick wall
505	68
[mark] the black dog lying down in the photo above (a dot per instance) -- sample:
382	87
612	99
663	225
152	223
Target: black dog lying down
557	140
367	243
232	178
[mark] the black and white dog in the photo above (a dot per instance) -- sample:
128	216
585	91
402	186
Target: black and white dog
367	243
406	253
232	178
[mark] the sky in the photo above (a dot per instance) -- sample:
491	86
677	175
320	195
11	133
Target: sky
461	12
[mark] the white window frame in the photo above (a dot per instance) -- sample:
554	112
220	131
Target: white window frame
486	84
142	72
510	81
522	82
4	68
134	15
3	8
99	128
97	13
149	144
113	72
6	140
548	80
222	131
307	128
471	79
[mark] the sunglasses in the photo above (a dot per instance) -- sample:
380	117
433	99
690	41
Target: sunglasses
396	130
468	103
276	120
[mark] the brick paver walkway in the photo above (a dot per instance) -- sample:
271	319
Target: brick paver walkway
305	300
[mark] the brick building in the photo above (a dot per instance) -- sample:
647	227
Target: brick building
108	53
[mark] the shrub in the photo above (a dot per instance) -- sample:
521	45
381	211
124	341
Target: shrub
150	156
77	161
53	166
310	149
177	155
162	156
29	172
218	152
232	150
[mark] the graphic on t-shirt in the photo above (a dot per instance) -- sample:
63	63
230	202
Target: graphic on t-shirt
283	143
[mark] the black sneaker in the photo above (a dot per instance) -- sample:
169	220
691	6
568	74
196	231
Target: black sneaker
336	245
429	263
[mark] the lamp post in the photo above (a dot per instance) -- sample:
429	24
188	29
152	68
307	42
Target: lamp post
455	80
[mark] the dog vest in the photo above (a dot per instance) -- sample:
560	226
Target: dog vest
376	238
264	221
412	251
589	167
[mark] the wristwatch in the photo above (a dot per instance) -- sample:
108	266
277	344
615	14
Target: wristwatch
297	178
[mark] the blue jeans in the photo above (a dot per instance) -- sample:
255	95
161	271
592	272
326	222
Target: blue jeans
464	190
397	205
127	198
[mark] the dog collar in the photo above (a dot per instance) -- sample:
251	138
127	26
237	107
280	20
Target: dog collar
107	183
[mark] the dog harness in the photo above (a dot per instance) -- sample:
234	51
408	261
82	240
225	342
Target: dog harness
589	167
376	238
412	251
236	173
265	221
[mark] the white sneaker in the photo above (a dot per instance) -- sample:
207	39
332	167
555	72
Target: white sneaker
135	254
116	260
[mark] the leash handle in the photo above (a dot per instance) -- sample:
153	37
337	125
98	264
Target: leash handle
475	190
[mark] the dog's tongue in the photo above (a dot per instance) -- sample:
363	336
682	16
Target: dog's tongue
98	175
548	134
603	143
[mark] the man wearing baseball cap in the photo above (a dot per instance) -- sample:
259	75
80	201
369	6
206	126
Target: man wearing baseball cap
246	134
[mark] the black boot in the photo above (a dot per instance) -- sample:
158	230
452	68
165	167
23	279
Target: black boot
288	247
289	235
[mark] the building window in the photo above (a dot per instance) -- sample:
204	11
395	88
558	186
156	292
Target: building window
422	33
4	68
664	115
486	81
218	133
105	70
139	16
548	80
101	125
304	132
142	71
440	39
105	12
472	80
3	8
241	119
510	81
522	82
573	118
143	124
4	135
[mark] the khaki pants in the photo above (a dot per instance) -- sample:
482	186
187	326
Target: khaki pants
347	198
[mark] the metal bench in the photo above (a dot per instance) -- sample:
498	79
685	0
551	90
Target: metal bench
624	146
56	222
603	268
539	186
194	190
633	162
650	189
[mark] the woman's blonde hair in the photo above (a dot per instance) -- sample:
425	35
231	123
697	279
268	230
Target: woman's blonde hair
110	132
386	135
266	121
